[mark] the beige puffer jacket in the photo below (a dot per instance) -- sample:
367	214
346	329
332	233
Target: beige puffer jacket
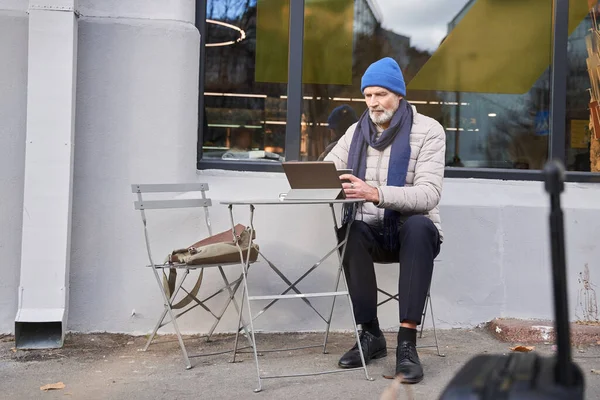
423	189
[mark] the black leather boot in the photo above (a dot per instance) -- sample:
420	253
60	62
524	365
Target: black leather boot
407	363
373	347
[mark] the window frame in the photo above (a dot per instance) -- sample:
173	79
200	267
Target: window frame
558	104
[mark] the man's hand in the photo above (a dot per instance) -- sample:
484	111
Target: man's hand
358	189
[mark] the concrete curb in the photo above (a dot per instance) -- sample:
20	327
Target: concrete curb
541	331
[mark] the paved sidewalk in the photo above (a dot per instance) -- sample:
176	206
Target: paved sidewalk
110	366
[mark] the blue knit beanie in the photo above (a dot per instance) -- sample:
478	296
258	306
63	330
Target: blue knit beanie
385	73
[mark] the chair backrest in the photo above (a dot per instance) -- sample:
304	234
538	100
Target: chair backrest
142	204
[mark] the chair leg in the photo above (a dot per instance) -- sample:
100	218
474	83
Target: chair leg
230	299
232	293
162	317
237	332
437	346
156	328
173	318
390	297
427	302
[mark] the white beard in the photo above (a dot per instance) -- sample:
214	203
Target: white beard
381	118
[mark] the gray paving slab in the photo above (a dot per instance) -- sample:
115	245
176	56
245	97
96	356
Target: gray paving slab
111	366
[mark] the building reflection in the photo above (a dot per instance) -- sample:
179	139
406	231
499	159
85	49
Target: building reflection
483	129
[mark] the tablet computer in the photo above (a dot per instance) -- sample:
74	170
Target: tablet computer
312	178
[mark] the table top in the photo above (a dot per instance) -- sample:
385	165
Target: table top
257	202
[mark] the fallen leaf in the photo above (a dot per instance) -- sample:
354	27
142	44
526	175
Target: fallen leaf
14	350
53	386
523	349
596	371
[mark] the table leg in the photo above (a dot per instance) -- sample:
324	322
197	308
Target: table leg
245	266
339	274
342	273
293	284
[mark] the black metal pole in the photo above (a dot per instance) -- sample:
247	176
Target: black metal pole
558	84
294	88
554	174
201	26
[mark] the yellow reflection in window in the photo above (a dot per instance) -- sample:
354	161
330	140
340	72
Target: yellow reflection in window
327	41
500	46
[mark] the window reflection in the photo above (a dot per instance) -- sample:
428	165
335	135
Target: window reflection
446	52
583	150
244	119
479	67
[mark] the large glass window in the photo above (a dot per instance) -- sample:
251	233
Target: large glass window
244	115
482	68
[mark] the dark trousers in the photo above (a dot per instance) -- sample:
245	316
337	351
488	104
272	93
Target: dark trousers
418	245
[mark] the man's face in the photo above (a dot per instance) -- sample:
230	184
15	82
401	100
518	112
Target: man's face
382	104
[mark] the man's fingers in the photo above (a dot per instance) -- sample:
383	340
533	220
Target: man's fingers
349	177
354	194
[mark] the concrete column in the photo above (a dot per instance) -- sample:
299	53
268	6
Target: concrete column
44	283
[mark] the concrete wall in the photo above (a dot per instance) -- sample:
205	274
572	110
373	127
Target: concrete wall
137	93
13	105
136	122
176	10
494	262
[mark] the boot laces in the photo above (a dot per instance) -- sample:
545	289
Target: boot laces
406	351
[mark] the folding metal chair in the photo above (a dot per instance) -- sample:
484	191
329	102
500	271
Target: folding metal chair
169	287
427	302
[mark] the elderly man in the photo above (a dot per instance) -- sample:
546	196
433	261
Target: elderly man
397	157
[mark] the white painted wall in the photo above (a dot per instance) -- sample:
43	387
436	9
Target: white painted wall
138	64
137	95
13	106
136	122
494	262
176	10
13	5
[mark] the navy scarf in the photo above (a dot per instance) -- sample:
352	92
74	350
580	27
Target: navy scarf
398	136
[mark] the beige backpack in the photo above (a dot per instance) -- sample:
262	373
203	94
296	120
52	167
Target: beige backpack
214	250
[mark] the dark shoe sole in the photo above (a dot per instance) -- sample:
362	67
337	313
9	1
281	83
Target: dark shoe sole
380	354
412	381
